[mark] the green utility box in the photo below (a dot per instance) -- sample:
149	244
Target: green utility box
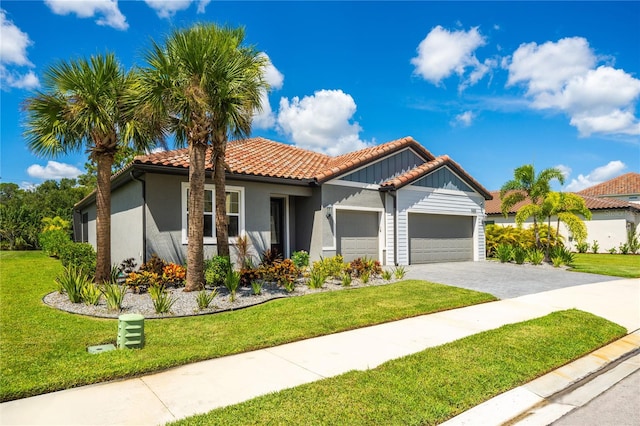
130	331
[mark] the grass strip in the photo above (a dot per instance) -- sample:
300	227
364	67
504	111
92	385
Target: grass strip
617	265
44	349
431	386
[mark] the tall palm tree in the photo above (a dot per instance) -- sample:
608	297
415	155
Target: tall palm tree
206	86
526	185
83	104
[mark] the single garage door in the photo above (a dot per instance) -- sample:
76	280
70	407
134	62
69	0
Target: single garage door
440	238
357	234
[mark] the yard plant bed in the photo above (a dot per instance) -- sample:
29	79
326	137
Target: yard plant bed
431	386
45	349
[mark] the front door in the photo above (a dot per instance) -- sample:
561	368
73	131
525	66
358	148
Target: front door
277	225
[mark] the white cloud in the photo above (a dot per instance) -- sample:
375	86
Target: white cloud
53	170
444	52
465	119
562	76
596	176
28	186
13	55
107	11
565	170
322	122
168	8
266	119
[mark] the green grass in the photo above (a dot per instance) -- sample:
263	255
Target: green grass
44	349
618	265
431	386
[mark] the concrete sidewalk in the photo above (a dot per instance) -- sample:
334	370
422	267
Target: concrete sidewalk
203	386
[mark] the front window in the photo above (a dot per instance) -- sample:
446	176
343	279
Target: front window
235	213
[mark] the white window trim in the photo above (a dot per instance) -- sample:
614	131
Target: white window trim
209	187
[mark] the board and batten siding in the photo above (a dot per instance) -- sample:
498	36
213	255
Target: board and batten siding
423	200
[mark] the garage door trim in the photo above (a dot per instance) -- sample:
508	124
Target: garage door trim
381	214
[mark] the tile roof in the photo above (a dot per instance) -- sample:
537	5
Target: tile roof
626	184
426	168
593	203
263	157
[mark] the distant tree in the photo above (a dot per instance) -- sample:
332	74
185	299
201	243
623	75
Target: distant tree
86	105
526	185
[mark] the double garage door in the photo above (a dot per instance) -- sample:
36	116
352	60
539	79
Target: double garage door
357	234
440	238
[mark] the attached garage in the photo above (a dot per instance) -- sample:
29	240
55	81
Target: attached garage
357	234
440	238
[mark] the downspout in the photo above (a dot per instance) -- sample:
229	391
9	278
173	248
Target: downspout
144	214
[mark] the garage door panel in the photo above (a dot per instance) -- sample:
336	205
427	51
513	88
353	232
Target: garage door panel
357	234
440	238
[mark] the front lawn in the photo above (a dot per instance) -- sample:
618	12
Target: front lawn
618	265
431	386
44	349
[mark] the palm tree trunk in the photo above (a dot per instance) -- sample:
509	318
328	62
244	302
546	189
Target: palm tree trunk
103	217
219	180
195	247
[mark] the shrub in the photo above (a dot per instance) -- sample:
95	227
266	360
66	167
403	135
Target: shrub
72	281
365	277
300	259
81	255
346	279
624	248
114	295
331	266
565	256
256	287
633	241
155	265
289	286
557	261
504	253
53	240
162	300
399	272
215	270
232	282
595	247
174	274
269	257
127	266
362	265
280	271
247	276
386	275
141	281
519	255
535	256
243	246
204	299
613	250
316	278
582	247
90	294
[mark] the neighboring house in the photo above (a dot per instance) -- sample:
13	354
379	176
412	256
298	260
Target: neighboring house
394	202
625	187
611	220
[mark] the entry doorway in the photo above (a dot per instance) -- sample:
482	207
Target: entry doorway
278	234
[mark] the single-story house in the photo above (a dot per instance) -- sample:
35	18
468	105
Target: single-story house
612	217
395	202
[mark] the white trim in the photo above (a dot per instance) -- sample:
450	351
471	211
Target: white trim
446	212
439	190
210	187
381	226
338	182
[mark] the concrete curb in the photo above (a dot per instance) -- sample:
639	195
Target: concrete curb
549	397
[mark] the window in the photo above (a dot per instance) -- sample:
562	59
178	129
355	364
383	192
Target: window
85	228
235	212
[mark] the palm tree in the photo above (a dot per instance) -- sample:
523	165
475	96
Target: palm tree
205	86
566	206
526	185
84	105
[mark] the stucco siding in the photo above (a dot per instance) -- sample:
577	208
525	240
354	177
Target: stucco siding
126	223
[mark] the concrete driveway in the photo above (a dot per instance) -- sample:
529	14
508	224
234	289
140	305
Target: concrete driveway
503	280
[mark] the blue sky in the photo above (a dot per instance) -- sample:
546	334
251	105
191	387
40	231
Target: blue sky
494	85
